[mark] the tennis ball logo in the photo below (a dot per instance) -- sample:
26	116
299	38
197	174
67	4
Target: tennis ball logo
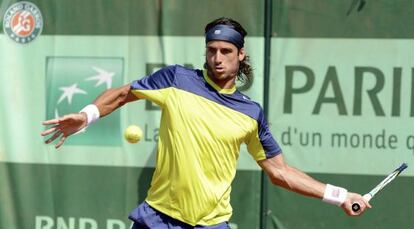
133	134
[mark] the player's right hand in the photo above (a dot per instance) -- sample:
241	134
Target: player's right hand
355	198
63	127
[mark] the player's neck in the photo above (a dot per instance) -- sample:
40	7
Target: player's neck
225	83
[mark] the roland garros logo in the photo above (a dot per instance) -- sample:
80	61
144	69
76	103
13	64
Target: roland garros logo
23	22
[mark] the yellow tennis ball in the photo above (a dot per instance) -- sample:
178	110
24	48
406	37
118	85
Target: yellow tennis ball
133	134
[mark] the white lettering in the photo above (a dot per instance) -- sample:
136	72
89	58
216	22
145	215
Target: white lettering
87	221
47	222
110	223
43	219
61	224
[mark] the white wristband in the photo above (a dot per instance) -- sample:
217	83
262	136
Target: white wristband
92	113
334	195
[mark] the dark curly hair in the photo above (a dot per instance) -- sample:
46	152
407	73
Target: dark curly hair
245	72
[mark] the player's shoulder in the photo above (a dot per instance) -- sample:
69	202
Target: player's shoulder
248	106
247	100
187	75
177	73
186	71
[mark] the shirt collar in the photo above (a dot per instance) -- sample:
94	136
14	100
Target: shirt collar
218	88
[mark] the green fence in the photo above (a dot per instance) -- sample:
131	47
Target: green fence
335	79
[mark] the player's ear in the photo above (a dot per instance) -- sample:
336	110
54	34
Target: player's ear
242	54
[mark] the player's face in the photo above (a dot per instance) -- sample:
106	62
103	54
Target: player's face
223	59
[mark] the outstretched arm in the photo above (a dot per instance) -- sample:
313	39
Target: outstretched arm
114	98
105	104
294	180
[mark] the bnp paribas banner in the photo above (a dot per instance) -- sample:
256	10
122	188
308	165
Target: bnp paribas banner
347	101
341	91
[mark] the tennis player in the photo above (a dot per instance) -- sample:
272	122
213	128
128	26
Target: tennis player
204	121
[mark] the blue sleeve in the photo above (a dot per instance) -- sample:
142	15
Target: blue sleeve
155	87
269	144
260	143
160	79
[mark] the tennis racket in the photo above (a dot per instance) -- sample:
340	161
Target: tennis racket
356	207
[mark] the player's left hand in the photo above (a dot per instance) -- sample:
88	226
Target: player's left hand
355	198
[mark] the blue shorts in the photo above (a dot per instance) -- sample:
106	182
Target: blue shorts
146	217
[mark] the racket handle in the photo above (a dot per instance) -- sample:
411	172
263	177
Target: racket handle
356	207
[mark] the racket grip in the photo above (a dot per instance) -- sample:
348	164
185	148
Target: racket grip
356	207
